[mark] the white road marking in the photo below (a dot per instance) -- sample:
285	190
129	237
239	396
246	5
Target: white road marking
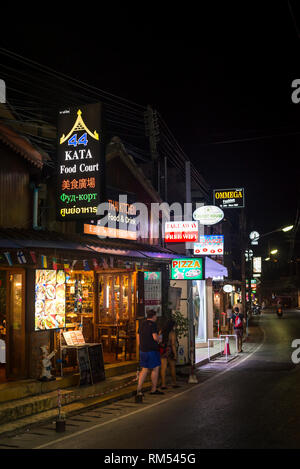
116	419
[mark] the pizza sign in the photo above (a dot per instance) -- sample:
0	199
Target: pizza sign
187	269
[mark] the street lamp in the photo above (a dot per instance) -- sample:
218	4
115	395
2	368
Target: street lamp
274	251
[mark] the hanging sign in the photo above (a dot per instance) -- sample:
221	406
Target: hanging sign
80	162
181	231
228	288
257	265
187	269
229	198
210	245
208	215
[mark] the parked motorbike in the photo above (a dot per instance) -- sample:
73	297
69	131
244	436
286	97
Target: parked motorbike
256	310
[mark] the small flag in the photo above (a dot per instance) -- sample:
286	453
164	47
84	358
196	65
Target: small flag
95	264
105	264
111	260
86	265
8	258
33	256
21	257
54	263
44	262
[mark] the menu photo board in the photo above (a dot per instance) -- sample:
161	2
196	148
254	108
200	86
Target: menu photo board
50	292
80	162
187	269
229	198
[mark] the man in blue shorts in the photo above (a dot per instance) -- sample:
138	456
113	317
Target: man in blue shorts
149	352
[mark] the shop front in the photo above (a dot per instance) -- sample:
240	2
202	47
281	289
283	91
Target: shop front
12	323
65	287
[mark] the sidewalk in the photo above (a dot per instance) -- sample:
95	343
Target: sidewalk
23	413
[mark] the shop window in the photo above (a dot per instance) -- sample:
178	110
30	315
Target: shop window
80	302
116	316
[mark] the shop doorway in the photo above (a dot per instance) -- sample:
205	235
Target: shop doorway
116	316
12	324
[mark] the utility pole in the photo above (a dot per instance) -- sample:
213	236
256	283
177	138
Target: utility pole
152	131
244	245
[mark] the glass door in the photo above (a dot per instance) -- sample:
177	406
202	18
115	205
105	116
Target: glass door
15	337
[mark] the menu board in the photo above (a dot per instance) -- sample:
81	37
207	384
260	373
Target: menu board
152	292
84	366
96	362
50	290
74	338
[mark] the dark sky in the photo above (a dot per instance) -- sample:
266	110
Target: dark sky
216	73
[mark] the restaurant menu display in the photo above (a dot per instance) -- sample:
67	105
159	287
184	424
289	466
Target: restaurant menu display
50	290
74	338
152	291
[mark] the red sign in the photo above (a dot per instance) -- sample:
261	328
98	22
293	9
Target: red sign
181	231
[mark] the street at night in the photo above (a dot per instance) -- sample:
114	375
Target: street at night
242	406
149	230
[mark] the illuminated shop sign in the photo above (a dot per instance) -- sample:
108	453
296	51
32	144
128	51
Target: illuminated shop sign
257	265
120	218
208	215
80	162
187	269
181	231
229	198
152	292
50	299
210	245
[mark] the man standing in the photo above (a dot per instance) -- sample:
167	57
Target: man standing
238	321
149	352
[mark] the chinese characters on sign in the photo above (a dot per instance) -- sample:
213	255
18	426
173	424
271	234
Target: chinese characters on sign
79	162
210	245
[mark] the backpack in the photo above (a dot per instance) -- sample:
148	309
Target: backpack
238	323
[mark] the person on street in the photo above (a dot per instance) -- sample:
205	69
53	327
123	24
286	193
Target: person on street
168	353
238	321
149	352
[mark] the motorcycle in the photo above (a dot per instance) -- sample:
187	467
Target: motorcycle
279	311
256	310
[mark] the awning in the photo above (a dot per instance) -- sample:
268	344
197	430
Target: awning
214	269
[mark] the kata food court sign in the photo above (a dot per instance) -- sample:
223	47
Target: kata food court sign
187	269
80	162
229	198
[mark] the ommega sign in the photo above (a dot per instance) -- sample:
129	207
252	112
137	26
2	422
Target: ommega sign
187	269
80	162
229	198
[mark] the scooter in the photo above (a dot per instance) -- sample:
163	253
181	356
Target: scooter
279	311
